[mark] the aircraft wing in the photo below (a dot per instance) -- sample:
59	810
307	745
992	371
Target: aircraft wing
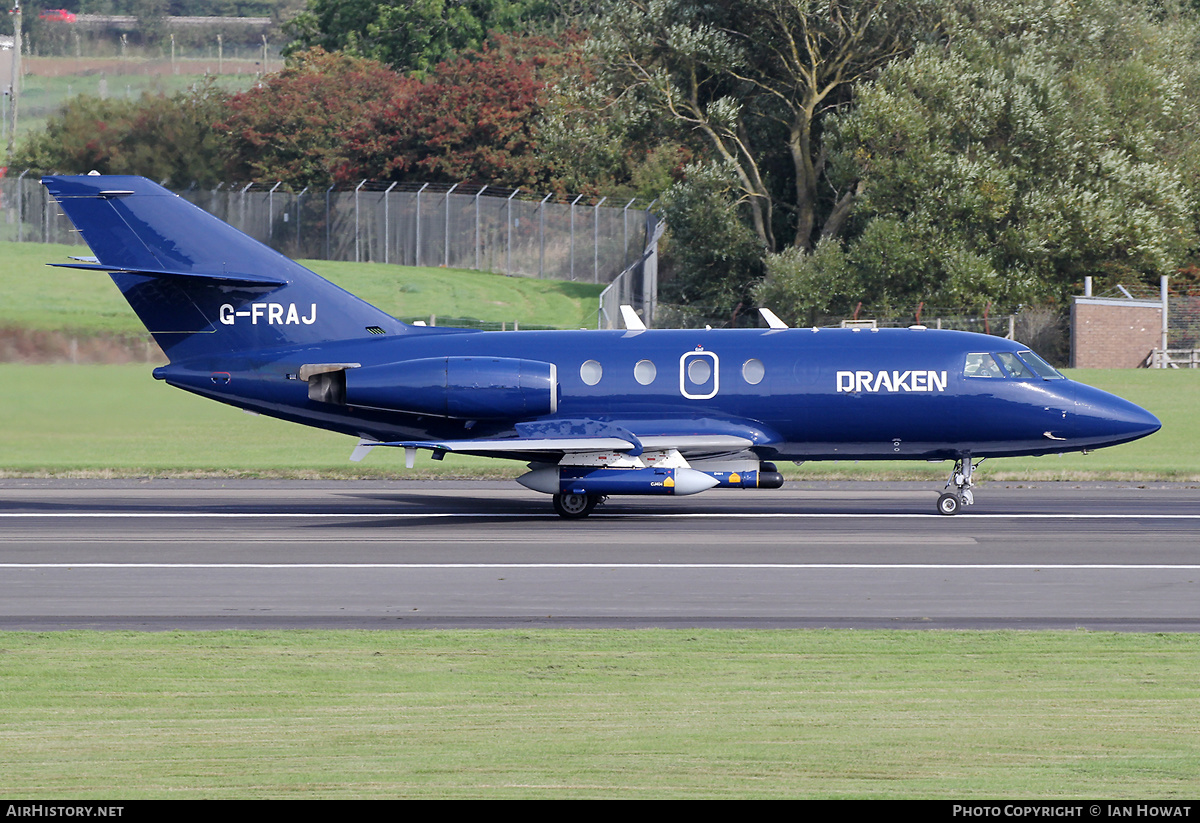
534	447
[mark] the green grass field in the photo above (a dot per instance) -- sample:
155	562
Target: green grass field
42	96
611	714
69	300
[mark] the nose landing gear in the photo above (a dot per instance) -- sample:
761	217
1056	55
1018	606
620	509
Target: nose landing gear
961	480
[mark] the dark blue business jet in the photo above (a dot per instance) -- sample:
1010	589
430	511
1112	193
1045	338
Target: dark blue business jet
594	413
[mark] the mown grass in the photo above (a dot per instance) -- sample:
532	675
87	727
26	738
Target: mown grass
82	302
553	713
43	95
67	420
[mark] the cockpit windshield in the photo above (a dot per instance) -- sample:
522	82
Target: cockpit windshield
1044	370
1013	365
1022	365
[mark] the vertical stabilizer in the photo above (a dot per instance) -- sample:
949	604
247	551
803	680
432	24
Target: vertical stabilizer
200	286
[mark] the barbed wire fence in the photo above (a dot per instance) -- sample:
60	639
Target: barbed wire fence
484	228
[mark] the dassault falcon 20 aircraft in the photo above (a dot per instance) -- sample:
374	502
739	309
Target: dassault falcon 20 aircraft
594	413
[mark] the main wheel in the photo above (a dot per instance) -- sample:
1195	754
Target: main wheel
948	504
575	505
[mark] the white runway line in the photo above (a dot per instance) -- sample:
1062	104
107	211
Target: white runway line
640	566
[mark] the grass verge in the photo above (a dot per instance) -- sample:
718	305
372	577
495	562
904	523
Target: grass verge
654	713
83	302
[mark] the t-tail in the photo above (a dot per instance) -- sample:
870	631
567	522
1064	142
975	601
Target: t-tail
200	286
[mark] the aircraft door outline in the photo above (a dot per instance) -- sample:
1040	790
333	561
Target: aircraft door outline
699	375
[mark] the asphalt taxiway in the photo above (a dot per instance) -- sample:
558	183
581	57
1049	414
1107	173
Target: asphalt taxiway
211	554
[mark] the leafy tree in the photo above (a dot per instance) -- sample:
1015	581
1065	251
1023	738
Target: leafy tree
713	259
406	36
166	138
472	118
1049	141
293	126
754	80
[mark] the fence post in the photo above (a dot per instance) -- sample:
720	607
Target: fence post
242	207
477	194
357	255
417	251
542	236
573	202
596	240
299	240
446	239
508	238
21	207
387	224
625	233
271	211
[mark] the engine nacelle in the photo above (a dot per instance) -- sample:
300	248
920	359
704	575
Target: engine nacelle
476	388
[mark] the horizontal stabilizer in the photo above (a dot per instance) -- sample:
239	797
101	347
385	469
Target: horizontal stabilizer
224	277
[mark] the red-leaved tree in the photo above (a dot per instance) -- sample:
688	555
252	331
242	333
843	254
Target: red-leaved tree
294	125
474	118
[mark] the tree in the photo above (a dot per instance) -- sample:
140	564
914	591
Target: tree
755	79
166	138
293	126
471	118
1043	142
414	35
713	258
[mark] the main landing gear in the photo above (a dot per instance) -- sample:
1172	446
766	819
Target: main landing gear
574	506
961	480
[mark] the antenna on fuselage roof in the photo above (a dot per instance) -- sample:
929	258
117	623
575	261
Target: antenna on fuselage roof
772	319
632	321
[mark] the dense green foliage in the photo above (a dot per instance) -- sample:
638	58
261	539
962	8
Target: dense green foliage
810	156
1041	143
166	138
411	35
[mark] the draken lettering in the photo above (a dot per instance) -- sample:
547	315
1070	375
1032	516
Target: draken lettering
891	381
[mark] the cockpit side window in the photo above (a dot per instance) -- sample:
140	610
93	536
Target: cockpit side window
1043	369
1013	365
981	364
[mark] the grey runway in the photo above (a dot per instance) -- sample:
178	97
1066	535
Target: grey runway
162	555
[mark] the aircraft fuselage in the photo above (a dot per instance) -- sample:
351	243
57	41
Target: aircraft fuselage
798	394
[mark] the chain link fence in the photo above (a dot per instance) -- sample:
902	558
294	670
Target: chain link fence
637	285
486	228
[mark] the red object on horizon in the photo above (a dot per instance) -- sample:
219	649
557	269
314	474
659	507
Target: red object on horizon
57	15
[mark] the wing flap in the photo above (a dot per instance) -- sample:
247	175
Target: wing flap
516	444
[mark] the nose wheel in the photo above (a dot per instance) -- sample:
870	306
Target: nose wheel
960	483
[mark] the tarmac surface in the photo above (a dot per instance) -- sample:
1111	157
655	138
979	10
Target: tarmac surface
207	554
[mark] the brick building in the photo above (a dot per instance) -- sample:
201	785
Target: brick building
1114	333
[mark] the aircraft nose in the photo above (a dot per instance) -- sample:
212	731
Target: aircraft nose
1103	419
